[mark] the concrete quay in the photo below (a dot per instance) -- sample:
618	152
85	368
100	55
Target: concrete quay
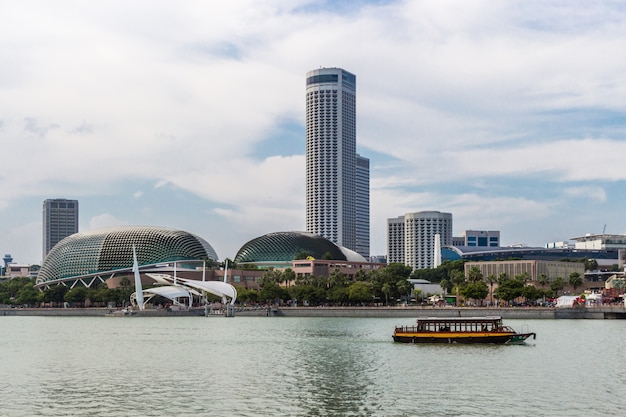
597	313
601	313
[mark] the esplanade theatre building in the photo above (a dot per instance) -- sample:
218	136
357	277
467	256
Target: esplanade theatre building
100	255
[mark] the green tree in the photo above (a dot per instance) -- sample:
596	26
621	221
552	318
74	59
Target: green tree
245	295
491	279
271	276
458	279
404	288
338	294
387	290
76	295
531	294
360	292
446	285
28	295
362	275
272	292
510	288
307	293
591	265
55	294
557	285
474	274
542	280
475	291
337	279
575	280
289	277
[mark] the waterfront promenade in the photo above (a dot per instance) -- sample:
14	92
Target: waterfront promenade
602	312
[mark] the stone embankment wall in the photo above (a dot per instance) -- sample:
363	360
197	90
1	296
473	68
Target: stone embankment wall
96	312
371	312
506	313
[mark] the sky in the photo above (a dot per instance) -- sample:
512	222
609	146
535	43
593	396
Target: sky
511	115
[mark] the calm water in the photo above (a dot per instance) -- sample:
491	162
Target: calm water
260	366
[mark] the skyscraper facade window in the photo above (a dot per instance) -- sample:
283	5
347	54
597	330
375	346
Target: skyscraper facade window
333	190
411	238
60	220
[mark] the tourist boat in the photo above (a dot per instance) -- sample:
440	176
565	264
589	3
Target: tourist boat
488	329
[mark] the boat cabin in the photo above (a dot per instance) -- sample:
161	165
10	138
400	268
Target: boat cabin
459	324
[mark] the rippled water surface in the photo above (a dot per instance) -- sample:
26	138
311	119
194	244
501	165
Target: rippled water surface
271	366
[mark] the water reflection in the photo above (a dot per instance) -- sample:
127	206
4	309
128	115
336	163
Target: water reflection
334	370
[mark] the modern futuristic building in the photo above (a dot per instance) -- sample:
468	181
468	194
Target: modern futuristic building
281	248
102	254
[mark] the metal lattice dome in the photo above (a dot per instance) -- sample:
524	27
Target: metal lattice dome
111	249
284	246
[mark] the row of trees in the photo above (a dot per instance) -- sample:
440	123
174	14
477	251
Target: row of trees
475	286
21	292
379	286
383	286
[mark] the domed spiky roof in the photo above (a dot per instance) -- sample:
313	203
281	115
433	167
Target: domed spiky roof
111	249
284	246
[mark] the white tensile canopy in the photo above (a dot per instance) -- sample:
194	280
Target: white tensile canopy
176	289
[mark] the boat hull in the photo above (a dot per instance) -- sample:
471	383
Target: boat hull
502	338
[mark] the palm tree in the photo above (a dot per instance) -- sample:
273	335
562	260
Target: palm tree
386	289
474	274
575	280
542	280
557	285
491	279
457	278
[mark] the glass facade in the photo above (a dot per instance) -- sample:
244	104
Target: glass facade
285	246
112	249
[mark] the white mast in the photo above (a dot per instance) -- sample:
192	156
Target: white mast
225	278
437	254
138	287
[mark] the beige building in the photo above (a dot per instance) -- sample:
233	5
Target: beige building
319	267
552	269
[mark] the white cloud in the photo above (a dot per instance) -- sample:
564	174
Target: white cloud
185	94
105	220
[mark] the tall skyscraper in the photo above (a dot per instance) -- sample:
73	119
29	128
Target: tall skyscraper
333	191
411	238
363	206
60	219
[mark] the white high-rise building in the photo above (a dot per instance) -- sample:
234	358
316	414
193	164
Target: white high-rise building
395	240
60	219
363	206
335	186
411	238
